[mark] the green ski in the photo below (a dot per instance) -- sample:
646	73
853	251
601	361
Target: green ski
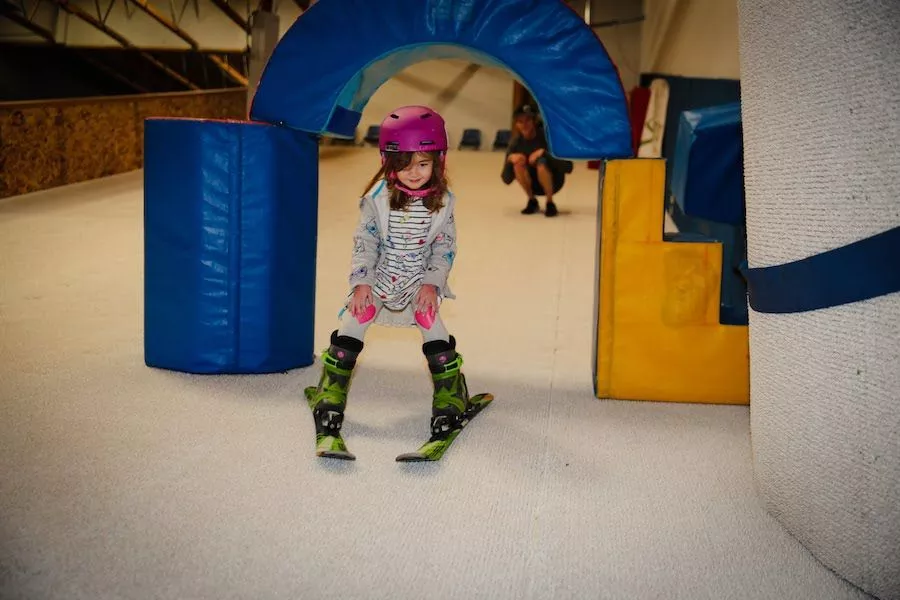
328	445
440	441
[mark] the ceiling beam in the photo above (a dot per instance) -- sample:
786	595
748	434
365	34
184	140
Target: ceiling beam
160	18
77	11
230	71
617	22
232	14
10	12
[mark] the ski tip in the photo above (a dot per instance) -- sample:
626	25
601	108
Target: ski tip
414	457
335	454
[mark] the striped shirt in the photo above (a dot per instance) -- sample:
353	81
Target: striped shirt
399	276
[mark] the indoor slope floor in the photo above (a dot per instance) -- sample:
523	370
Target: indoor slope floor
119	481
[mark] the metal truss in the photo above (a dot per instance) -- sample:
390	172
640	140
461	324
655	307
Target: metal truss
18	15
24	13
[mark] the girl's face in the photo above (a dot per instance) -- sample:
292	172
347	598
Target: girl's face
418	172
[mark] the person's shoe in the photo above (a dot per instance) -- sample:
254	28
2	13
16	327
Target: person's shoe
532	206
551	209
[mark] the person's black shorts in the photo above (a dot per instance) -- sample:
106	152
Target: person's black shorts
559	178
557	171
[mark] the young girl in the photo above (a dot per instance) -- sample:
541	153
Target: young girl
403	250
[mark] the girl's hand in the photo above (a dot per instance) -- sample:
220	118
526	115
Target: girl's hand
426	299
362	298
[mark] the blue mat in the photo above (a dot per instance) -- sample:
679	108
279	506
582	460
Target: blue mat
708	164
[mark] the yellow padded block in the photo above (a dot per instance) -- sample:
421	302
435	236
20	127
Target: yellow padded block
658	332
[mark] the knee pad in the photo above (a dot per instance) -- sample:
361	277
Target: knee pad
425	319
366	315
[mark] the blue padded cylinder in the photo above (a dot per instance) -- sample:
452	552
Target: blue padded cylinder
230	222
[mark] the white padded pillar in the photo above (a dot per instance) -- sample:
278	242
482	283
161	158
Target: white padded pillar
820	86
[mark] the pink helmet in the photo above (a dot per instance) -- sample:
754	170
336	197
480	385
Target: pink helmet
413	129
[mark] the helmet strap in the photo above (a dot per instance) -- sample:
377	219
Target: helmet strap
419	193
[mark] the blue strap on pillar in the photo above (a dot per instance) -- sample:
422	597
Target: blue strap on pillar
865	269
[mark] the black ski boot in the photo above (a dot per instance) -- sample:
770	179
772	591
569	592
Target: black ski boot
329	399
451	396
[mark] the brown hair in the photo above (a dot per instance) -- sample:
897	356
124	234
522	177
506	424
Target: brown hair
400	200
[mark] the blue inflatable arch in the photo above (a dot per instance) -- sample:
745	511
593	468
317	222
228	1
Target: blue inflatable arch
339	52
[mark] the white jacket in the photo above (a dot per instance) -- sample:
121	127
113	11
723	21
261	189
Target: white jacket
368	241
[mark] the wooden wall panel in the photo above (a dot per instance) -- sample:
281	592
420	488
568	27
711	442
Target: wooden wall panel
52	143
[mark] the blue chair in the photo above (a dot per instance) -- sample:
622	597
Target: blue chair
501	141
337	141
471	138
372	135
